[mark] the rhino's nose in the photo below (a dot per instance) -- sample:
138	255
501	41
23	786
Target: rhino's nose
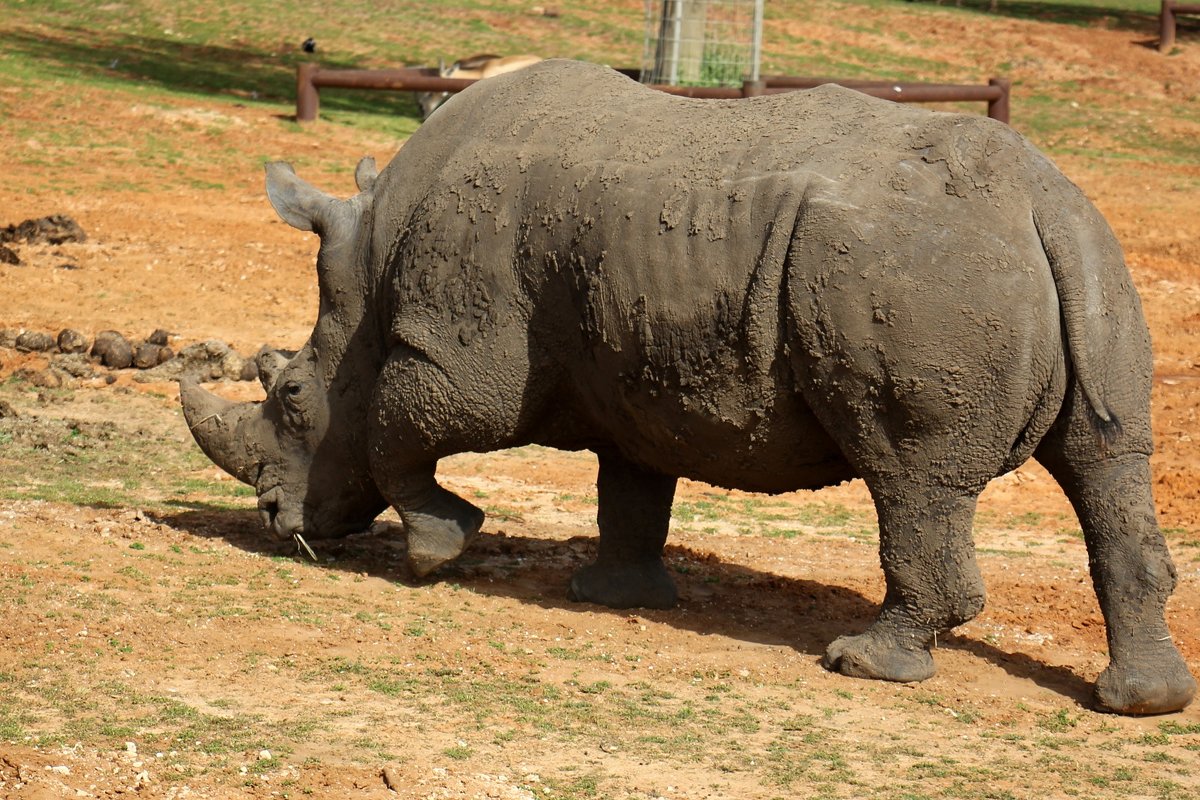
268	512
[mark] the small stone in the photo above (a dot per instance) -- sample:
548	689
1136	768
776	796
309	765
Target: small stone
131	748
34	342
165	354
8	337
113	350
264	755
72	341
8	256
392	779
159	337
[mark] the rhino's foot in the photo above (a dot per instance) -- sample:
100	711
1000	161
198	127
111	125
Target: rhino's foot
881	655
1154	683
439	531
641	585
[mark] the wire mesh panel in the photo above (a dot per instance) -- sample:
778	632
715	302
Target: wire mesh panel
702	42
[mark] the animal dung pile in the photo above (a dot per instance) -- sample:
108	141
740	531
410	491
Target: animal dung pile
72	355
54	229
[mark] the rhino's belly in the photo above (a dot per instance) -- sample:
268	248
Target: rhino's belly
731	438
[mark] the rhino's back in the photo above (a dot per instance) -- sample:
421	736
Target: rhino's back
655	232
572	162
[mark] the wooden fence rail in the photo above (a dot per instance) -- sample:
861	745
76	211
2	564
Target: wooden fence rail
310	79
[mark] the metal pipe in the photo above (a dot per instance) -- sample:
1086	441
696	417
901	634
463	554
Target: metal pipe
998	109
916	93
308	101
756	42
411	80
1166	26
676	31
753	88
310	79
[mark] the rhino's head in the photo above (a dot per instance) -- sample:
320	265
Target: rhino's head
303	448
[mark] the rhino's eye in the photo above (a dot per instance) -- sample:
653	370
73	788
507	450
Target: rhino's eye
291	392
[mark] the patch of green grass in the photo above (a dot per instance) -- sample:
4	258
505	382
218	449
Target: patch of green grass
458	752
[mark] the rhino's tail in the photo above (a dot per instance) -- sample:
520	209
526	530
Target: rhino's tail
1084	257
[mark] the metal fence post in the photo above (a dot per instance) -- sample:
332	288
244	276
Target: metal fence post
1166	26
998	109
308	100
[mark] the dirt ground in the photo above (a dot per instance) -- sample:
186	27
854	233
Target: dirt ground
208	662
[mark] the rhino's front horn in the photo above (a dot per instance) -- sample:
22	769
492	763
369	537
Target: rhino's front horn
214	423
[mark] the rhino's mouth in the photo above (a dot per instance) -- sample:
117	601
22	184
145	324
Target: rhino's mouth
287	522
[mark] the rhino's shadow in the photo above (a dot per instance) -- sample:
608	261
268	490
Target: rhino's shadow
716	596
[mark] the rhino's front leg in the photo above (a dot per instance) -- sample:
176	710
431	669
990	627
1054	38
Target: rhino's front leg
634	512
413	418
933	584
438	523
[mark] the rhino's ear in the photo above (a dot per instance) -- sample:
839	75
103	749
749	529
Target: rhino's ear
298	203
365	174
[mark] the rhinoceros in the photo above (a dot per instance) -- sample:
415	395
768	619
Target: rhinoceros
770	294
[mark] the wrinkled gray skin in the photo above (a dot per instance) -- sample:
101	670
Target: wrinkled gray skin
771	294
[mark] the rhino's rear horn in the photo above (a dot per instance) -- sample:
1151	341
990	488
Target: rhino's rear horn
270	362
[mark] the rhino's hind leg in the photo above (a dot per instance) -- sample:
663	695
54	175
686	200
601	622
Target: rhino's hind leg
933	584
634	512
1133	577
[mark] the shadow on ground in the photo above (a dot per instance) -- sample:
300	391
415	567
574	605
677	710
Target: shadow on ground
1063	13
716	596
238	69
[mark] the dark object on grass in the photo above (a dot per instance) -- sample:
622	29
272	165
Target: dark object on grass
309	45
54	229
